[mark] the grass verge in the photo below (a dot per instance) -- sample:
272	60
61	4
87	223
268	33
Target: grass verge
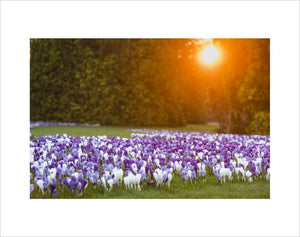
111	131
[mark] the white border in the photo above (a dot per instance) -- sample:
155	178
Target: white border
278	20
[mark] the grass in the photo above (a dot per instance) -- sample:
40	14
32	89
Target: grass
179	189
110	131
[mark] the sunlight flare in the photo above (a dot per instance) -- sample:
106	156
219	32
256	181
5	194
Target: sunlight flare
210	54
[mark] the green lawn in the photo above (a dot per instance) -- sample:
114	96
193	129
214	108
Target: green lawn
110	131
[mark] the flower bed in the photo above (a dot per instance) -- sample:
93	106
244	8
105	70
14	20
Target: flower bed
60	161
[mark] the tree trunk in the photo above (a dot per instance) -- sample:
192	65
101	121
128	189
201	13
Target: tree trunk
229	121
255	121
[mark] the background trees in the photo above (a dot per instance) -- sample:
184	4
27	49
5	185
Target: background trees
239	89
149	82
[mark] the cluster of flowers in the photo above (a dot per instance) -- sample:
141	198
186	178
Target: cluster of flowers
43	123
154	158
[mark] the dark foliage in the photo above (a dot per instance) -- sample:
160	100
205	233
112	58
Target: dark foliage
114	82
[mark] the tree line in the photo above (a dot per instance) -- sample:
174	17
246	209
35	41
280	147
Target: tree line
149	82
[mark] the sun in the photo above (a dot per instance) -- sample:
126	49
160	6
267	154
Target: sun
210	54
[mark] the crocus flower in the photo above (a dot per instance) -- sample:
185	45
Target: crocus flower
193	174
45	182
188	154
40	184
67	181
99	183
53	190
60	180
252	169
80	186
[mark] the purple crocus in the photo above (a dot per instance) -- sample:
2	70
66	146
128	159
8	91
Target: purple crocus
193	174
80	186
71	170
188	154
31	187
258	170
252	169
53	190
99	183
60	180
66	181
45	182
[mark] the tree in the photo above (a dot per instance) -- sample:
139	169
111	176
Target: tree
254	94
240	83
114	82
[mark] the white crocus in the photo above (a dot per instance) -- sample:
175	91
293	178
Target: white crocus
268	174
249	176
110	183
169	179
40	184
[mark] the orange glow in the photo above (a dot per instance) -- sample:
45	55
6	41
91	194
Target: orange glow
210	54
